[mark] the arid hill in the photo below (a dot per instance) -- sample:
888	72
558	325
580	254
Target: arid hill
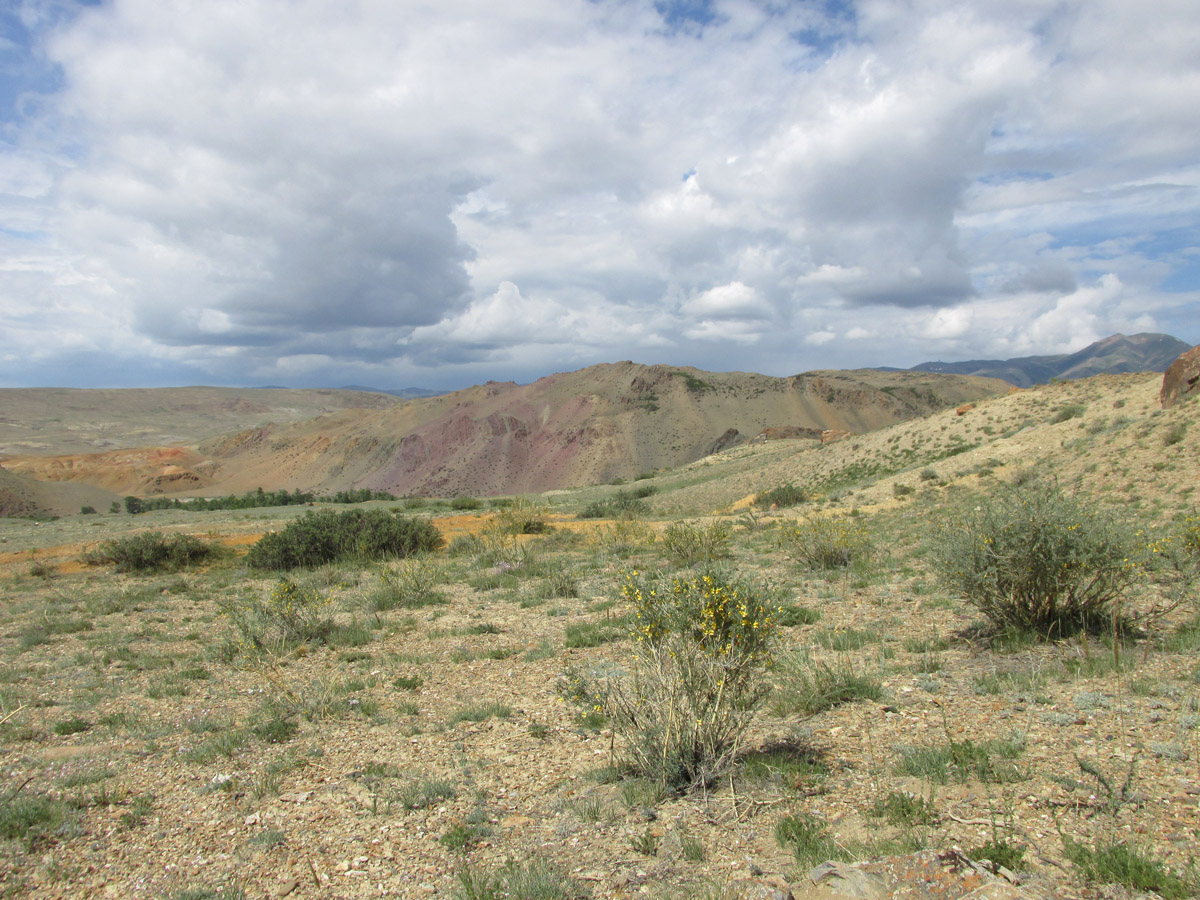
594	425
28	497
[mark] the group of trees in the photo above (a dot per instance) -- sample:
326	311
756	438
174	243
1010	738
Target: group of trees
252	500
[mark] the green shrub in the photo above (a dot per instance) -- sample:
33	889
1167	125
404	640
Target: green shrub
465	503
784	495
702	645
687	543
1068	412
150	551
413	583
1038	559
621	505
355	534
824	543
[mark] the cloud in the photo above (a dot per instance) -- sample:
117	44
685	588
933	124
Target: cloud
391	190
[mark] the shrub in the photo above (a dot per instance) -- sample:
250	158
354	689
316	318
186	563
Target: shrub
825	543
522	517
412	584
150	551
1035	558
1068	412
290	614
621	505
329	536
688	543
784	495
703	642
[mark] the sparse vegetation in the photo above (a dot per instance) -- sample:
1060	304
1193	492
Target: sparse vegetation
476	714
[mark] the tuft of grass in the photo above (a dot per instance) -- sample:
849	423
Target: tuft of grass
1129	865
808	839
794	615
481	712
808	687
592	634
905	809
71	726
425	793
34	819
989	761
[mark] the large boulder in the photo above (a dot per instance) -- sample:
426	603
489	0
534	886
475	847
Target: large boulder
1182	380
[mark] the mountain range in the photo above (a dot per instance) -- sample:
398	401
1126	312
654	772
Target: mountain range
1118	354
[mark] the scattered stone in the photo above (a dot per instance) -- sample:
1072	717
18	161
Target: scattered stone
964	409
287	887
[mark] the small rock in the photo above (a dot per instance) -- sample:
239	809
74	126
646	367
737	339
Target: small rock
252	819
287	887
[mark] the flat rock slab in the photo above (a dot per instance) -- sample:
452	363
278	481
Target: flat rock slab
919	876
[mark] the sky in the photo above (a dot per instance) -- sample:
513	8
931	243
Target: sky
404	193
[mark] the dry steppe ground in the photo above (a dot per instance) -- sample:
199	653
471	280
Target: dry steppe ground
423	746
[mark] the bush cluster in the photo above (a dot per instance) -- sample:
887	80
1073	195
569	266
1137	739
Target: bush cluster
1033	557
151	551
702	645
327	536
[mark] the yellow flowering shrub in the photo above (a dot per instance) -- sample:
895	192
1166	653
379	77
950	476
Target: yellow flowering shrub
702	644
